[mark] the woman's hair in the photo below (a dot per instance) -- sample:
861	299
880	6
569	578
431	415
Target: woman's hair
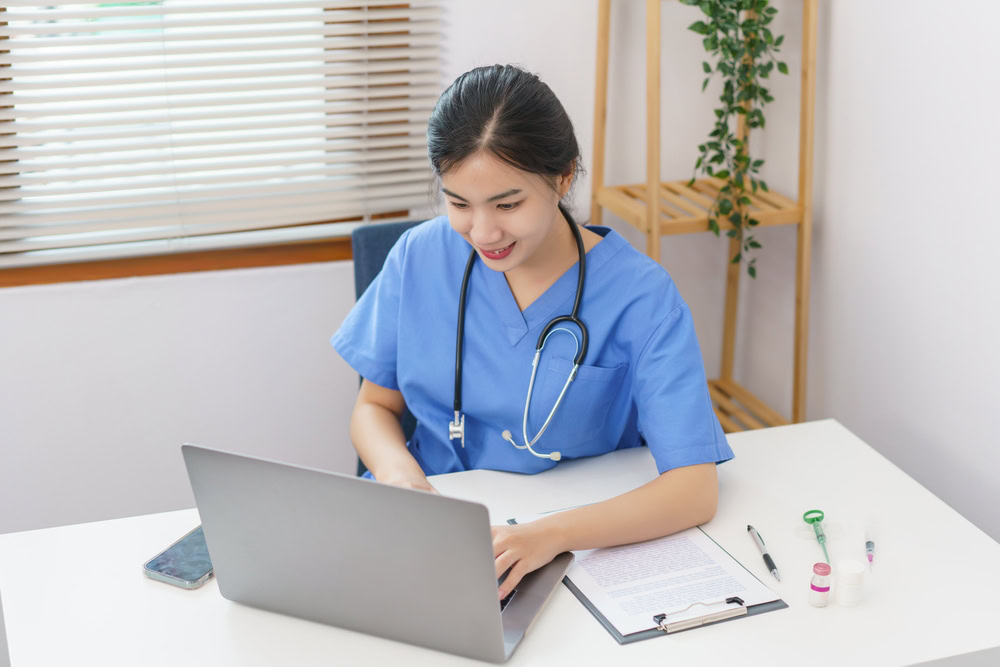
508	113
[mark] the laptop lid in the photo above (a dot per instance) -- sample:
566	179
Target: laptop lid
398	563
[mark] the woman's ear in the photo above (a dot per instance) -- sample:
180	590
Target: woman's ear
564	183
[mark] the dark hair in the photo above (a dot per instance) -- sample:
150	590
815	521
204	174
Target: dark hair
510	114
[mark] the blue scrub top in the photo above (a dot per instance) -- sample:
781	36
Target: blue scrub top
642	382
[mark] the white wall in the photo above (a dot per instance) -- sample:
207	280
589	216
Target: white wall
907	315
101	381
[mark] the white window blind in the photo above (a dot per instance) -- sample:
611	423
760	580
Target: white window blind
133	128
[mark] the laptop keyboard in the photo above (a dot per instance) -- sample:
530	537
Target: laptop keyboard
506	600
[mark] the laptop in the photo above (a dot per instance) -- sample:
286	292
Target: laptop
403	564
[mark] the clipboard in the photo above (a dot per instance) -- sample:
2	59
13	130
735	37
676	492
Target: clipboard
663	626
720	611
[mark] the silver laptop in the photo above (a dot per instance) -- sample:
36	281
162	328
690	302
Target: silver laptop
403	564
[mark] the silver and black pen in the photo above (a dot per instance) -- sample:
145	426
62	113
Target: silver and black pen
768	561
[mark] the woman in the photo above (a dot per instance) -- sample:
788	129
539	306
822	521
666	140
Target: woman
505	153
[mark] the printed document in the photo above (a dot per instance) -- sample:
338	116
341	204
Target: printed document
630	584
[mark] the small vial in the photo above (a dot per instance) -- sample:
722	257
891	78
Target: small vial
819	588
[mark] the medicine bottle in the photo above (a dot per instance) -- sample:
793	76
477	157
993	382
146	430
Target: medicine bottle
819	588
850	577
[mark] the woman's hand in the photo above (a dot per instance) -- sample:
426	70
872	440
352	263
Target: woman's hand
523	548
408	481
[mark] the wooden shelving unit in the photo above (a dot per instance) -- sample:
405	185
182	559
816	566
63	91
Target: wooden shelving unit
659	208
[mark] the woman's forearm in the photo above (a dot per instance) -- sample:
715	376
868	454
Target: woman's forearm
676	500
378	438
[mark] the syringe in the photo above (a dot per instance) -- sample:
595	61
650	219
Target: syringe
870	550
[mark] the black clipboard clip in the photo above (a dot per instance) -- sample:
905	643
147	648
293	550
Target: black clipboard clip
677	626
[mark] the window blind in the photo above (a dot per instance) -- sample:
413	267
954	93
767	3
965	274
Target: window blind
145	127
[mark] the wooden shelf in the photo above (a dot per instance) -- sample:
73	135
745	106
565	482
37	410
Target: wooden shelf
659	208
739	410
684	209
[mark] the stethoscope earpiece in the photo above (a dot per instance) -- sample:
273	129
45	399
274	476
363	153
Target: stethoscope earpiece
506	435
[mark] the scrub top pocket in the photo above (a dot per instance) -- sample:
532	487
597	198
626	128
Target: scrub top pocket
584	408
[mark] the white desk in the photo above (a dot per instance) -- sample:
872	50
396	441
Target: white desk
935	591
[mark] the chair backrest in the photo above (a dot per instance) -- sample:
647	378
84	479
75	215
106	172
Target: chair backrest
370	245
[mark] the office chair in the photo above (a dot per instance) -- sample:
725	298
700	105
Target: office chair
370	246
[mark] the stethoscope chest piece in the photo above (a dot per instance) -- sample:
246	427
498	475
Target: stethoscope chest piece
456	429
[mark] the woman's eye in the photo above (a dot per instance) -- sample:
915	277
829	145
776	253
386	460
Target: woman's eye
508	207
458	204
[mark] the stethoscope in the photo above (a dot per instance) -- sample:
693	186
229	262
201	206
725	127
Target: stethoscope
456	428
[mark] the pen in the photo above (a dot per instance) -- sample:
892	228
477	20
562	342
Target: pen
768	561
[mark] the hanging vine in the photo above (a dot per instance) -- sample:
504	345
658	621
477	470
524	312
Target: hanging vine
736	34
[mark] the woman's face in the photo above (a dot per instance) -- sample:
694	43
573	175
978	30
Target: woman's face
506	214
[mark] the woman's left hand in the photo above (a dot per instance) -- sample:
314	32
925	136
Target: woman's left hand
523	548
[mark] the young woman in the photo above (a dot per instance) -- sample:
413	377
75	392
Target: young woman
505	153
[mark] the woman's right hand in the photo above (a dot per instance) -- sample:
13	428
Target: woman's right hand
379	440
408	482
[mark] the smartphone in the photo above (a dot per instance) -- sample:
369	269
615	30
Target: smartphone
184	563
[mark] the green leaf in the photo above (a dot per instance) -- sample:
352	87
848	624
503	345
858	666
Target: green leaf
732	233
700	27
736	260
752	271
691	182
745	200
783	68
753	222
735	218
754	244
763	186
708	68
725	206
704	85
723	174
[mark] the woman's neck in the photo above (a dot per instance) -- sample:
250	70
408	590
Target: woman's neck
532	278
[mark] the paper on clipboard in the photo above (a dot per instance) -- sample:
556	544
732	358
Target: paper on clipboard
630	584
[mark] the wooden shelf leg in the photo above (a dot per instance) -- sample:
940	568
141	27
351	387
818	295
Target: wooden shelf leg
653	129
802	268
730	314
600	107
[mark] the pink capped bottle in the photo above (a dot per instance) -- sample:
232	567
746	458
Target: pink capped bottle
819	588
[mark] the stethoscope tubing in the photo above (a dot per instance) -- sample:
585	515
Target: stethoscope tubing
549	328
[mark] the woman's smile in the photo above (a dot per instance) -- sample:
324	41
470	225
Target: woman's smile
499	253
